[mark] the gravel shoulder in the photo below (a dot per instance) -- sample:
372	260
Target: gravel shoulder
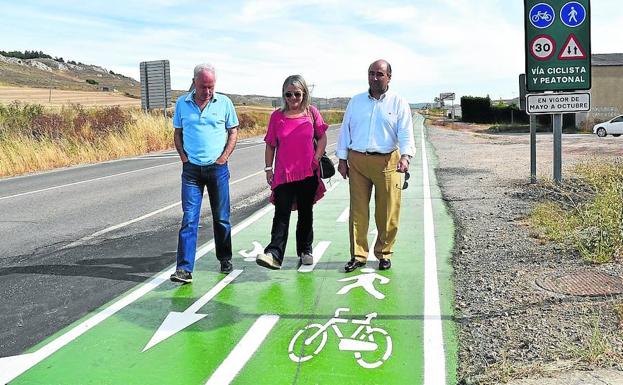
510	329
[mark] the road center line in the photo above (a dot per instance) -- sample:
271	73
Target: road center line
85	181
434	357
244	350
131	221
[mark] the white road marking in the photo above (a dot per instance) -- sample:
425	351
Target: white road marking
11	367
148	215
176	322
250	256
244	350
434	357
318	251
371	256
85	181
344	216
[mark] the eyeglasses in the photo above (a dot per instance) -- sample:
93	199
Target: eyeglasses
296	94
406	184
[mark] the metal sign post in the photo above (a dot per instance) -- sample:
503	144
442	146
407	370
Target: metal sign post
155	85
448	96
558	58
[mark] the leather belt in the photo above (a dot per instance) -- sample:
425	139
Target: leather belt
372	153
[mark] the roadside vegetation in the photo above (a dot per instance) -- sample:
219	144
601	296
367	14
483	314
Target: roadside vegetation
35	138
586	212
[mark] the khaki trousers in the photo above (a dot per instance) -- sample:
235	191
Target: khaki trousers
379	171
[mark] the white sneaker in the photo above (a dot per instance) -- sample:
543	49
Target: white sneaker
307	259
268	260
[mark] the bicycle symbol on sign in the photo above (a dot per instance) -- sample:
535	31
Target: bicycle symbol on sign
541	15
372	346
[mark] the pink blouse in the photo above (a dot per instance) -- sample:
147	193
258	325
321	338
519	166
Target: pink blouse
293	142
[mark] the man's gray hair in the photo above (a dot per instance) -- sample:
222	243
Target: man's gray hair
203	67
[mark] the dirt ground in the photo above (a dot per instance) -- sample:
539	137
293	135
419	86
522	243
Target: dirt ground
510	329
58	98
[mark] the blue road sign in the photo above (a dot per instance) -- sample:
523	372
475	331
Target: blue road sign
573	14
542	15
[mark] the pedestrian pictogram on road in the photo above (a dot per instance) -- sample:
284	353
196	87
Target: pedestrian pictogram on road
573	14
366	282
543	47
572	50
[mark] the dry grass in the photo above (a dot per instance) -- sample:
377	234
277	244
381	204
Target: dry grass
22	154
35	138
587	211
59	98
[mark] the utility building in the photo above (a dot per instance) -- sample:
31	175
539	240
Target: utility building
606	89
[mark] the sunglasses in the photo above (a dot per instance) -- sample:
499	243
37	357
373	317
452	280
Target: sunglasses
296	94
406	184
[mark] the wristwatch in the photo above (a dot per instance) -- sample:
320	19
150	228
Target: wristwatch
268	168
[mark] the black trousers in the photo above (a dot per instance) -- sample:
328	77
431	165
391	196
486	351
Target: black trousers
302	192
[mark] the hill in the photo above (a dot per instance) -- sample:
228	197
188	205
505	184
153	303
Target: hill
49	73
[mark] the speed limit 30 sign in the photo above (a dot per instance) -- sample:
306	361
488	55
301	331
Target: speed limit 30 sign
542	47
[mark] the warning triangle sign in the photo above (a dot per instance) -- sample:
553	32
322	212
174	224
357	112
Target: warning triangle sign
572	50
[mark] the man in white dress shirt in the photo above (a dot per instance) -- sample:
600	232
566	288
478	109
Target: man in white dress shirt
374	146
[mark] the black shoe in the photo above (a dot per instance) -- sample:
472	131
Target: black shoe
226	267
385	264
182	276
353	265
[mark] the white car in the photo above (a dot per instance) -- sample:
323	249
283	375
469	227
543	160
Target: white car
613	127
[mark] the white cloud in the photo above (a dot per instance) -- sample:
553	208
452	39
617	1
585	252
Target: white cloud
448	45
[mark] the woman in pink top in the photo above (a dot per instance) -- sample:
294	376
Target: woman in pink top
295	180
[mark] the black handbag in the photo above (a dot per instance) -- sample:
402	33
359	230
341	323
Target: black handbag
325	164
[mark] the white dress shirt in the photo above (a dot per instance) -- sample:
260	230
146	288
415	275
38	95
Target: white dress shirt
372	125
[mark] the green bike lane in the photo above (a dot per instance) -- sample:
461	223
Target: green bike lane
297	325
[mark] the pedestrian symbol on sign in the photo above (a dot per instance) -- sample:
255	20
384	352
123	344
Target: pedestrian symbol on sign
573	14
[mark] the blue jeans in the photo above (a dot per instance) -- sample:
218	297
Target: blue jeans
216	179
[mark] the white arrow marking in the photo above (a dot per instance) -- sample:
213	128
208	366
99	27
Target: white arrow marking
344	216
319	250
176	321
249	256
243	352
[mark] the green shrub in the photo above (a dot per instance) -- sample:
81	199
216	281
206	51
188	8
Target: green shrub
587	212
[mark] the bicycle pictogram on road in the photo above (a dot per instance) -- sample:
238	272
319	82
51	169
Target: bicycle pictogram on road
371	346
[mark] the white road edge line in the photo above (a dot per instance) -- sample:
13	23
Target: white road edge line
318	252
244	350
85	181
434	356
13	366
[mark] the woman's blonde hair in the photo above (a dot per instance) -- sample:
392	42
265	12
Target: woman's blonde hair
298	82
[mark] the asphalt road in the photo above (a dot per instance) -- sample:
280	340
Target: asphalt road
73	239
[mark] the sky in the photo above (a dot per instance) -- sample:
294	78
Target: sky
463	46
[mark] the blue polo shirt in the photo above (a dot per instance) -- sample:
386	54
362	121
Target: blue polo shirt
204	133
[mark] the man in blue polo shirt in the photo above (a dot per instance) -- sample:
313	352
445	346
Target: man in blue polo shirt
205	135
